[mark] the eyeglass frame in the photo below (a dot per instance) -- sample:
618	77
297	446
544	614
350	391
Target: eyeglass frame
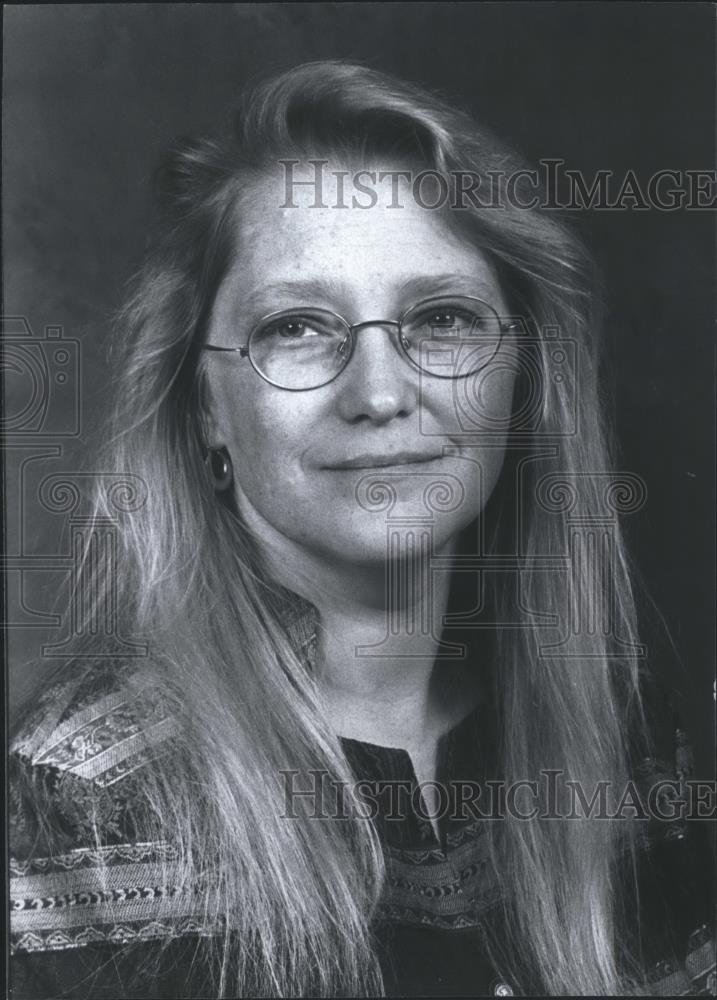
244	350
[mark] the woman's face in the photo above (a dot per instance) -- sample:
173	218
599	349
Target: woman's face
305	462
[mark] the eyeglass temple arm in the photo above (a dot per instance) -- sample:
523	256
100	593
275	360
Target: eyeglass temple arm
242	351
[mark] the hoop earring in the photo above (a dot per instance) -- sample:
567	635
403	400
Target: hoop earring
220	469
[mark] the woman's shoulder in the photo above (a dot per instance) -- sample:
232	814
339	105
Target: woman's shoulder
79	759
89	862
88	709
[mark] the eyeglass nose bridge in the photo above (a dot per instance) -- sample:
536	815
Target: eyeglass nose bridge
354	327
374	322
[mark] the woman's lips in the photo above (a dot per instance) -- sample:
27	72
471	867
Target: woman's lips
381	461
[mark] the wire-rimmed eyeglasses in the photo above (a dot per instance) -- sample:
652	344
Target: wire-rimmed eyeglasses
447	336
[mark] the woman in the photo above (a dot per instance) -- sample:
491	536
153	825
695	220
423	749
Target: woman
361	419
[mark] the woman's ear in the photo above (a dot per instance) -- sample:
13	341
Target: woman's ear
211	432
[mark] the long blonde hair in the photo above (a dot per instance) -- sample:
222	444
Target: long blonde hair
296	898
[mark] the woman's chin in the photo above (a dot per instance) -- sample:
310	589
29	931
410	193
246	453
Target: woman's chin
372	545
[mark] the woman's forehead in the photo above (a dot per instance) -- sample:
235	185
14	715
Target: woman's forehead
314	240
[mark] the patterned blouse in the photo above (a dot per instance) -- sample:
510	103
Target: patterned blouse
109	923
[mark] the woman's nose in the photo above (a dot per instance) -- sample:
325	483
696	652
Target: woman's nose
378	383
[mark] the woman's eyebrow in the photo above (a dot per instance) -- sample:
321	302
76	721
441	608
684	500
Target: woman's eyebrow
465	283
308	288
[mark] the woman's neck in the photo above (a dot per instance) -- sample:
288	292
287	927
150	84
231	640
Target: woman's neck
381	667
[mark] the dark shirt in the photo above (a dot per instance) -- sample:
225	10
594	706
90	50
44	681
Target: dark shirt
105	924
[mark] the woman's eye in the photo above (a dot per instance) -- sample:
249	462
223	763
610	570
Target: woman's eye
457	320
443	319
294	329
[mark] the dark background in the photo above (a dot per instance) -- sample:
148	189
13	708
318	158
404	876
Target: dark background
92	93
